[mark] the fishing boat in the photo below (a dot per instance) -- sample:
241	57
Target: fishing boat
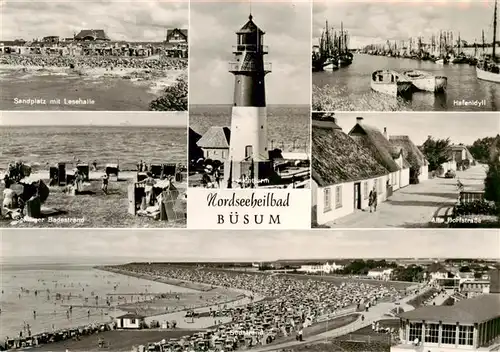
391	83
489	70
426	81
330	64
441	61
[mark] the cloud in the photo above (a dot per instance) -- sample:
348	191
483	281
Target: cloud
213	26
121	20
459	127
378	21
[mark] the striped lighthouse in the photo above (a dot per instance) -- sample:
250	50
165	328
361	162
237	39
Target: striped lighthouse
248	152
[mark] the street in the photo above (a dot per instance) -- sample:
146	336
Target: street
416	205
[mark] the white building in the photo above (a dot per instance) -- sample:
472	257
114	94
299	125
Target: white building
419	166
380	274
469	325
384	152
130	321
344	173
321	268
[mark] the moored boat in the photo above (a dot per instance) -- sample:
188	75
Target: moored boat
330	65
441	61
391	83
489	70
491	75
426	81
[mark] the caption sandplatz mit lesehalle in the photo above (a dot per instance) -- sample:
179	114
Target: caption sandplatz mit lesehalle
292	305
97	60
264	147
416	170
129	174
444	57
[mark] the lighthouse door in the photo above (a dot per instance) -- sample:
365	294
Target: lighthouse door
248	151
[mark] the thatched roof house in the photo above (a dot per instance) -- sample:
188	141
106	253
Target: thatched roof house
216	137
380	147
177	35
411	153
337	158
92	34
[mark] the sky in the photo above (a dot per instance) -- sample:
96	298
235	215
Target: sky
288	36
185	245
459	127
80	118
145	20
374	22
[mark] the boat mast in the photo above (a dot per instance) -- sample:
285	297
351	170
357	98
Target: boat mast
483	40
494	32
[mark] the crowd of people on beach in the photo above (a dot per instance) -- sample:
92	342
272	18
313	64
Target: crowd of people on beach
291	304
108	62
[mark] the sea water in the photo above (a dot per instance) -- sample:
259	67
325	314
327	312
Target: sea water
60	285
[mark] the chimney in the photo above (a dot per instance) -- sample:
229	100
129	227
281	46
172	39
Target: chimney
385	133
359	120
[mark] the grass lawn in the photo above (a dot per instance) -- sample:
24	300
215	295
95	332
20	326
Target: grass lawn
96	208
118	340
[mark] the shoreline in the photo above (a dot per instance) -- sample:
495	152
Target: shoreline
242	294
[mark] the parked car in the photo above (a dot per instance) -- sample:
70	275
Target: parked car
450	174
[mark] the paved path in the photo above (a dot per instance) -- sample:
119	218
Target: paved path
416	205
375	314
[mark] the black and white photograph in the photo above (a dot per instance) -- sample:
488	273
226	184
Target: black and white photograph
405	170
249	120
111	55
323	291
81	169
405	55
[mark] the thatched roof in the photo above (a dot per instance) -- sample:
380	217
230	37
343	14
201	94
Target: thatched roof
215	137
94	34
337	158
372	139
411	153
183	33
460	147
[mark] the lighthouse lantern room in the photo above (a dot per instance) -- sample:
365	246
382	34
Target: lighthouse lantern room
248	152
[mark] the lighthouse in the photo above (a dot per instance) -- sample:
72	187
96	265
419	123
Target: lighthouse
248	153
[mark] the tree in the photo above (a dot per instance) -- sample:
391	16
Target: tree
480	149
436	151
492	182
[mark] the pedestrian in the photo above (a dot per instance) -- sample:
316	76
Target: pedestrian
105	181
372	200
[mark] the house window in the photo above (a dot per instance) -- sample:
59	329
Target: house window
365	190
465	335
248	151
415	331
431	333
338	197
132	321
449	334
208	153
223	154
327	197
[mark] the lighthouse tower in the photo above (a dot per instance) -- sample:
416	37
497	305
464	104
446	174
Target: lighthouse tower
248	153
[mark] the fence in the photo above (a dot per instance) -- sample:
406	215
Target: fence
295	146
471	196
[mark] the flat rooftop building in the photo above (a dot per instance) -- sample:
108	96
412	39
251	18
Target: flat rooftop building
470	325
